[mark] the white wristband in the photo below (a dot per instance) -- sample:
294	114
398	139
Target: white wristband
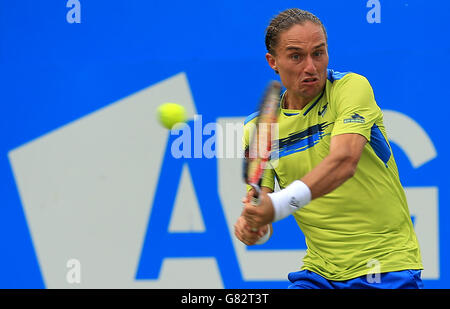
290	199
264	238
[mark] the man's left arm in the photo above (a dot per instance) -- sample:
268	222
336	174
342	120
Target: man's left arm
330	173
338	166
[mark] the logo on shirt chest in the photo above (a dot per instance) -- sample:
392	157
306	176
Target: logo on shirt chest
323	110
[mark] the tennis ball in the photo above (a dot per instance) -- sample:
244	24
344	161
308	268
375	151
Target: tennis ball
171	113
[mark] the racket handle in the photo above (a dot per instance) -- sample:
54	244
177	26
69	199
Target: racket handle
255	200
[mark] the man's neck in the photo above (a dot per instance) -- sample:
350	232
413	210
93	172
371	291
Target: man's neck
292	101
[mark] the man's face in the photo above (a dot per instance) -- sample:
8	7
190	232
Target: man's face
301	58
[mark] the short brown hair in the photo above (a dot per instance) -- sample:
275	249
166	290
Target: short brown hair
285	20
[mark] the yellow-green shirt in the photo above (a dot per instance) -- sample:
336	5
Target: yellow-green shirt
366	218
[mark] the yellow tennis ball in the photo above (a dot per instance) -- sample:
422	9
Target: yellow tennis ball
171	113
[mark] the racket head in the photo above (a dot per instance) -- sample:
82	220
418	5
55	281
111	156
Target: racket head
258	152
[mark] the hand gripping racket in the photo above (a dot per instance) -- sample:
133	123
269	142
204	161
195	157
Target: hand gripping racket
260	145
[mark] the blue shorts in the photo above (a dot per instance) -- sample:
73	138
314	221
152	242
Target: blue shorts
405	279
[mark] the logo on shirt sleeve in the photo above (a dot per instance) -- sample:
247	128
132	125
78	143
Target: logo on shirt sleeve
356	118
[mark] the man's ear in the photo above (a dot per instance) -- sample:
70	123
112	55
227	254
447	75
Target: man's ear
272	62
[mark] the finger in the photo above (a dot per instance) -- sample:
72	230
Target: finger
258	232
245	235
245	240
241	237
248	196
249	241
251	194
251	230
262	231
252	226
250	217
238	229
249	210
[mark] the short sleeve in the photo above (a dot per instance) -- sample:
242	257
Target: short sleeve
355	106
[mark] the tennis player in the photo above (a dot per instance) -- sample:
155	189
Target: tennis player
335	168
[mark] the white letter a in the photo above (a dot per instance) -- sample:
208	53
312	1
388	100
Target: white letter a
374	15
74	15
74	273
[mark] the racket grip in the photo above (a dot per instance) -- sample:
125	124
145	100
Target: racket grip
255	198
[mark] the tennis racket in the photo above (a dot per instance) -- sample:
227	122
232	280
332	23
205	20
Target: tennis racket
258	152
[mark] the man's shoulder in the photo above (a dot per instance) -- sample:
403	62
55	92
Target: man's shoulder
251	118
335	77
339	82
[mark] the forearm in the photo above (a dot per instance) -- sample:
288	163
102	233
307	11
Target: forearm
329	174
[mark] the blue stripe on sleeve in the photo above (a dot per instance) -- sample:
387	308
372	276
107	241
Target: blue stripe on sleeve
379	144
251	117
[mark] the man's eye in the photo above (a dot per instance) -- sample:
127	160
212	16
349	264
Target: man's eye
295	57
318	53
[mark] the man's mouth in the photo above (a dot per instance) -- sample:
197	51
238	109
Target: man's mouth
310	80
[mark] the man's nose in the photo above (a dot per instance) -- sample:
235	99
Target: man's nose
310	68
